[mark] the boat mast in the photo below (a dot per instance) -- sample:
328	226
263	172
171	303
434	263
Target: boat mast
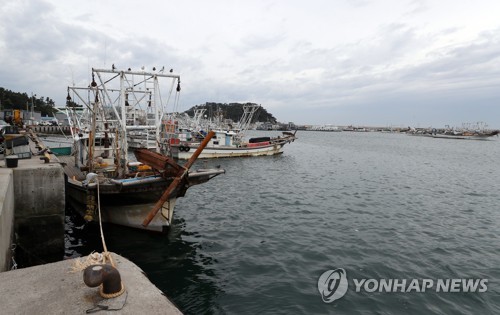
158	108
125	93
122	160
248	112
90	160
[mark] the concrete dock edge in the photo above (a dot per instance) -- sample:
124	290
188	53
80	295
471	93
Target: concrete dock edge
54	289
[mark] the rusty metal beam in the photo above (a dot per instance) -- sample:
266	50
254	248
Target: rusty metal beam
177	180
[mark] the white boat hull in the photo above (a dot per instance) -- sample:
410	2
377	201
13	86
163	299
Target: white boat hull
224	152
128	203
183	150
133	215
462	137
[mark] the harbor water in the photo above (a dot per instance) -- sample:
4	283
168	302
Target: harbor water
378	205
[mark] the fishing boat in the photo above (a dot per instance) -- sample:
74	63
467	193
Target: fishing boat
466	135
226	142
478	131
103	179
59	146
61	150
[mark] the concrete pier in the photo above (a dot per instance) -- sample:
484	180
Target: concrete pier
34	194
39	202
53	289
32	210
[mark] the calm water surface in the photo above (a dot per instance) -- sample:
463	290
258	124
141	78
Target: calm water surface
382	206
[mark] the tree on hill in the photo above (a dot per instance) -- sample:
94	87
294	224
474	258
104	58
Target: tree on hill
16	100
232	111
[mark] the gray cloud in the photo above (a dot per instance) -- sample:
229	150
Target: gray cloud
394	72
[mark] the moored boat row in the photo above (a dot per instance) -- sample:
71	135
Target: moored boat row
454	133
123	112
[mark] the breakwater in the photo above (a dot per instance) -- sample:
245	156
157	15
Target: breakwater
66	130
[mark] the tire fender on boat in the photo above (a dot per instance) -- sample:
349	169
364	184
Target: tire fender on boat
181	148
186	148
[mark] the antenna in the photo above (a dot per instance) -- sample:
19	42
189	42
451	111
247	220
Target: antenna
105	51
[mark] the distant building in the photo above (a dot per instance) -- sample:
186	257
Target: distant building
62	118
266	126
27	116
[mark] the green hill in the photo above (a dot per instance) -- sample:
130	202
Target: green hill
15	100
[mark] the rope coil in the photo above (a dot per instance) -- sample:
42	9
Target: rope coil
95	259
111	295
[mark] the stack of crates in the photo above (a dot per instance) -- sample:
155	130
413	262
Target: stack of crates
18	145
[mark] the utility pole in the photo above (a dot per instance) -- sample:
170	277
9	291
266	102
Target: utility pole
32	105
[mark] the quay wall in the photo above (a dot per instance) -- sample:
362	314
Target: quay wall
6	217
39	193
32	212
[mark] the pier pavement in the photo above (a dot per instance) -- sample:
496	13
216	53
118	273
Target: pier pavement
54	289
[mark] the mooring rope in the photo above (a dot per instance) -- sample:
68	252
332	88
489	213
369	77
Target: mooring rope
14	263
99	307
106	253
96	258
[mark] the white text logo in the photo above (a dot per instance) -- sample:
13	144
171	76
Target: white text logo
332	285
421	285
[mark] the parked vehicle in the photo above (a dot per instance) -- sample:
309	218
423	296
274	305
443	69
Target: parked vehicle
48	121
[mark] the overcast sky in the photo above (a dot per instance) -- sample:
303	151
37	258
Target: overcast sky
362	62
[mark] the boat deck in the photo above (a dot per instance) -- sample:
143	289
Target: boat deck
69	167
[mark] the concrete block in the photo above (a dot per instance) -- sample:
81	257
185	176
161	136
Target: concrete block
39	190
39	203
6	217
